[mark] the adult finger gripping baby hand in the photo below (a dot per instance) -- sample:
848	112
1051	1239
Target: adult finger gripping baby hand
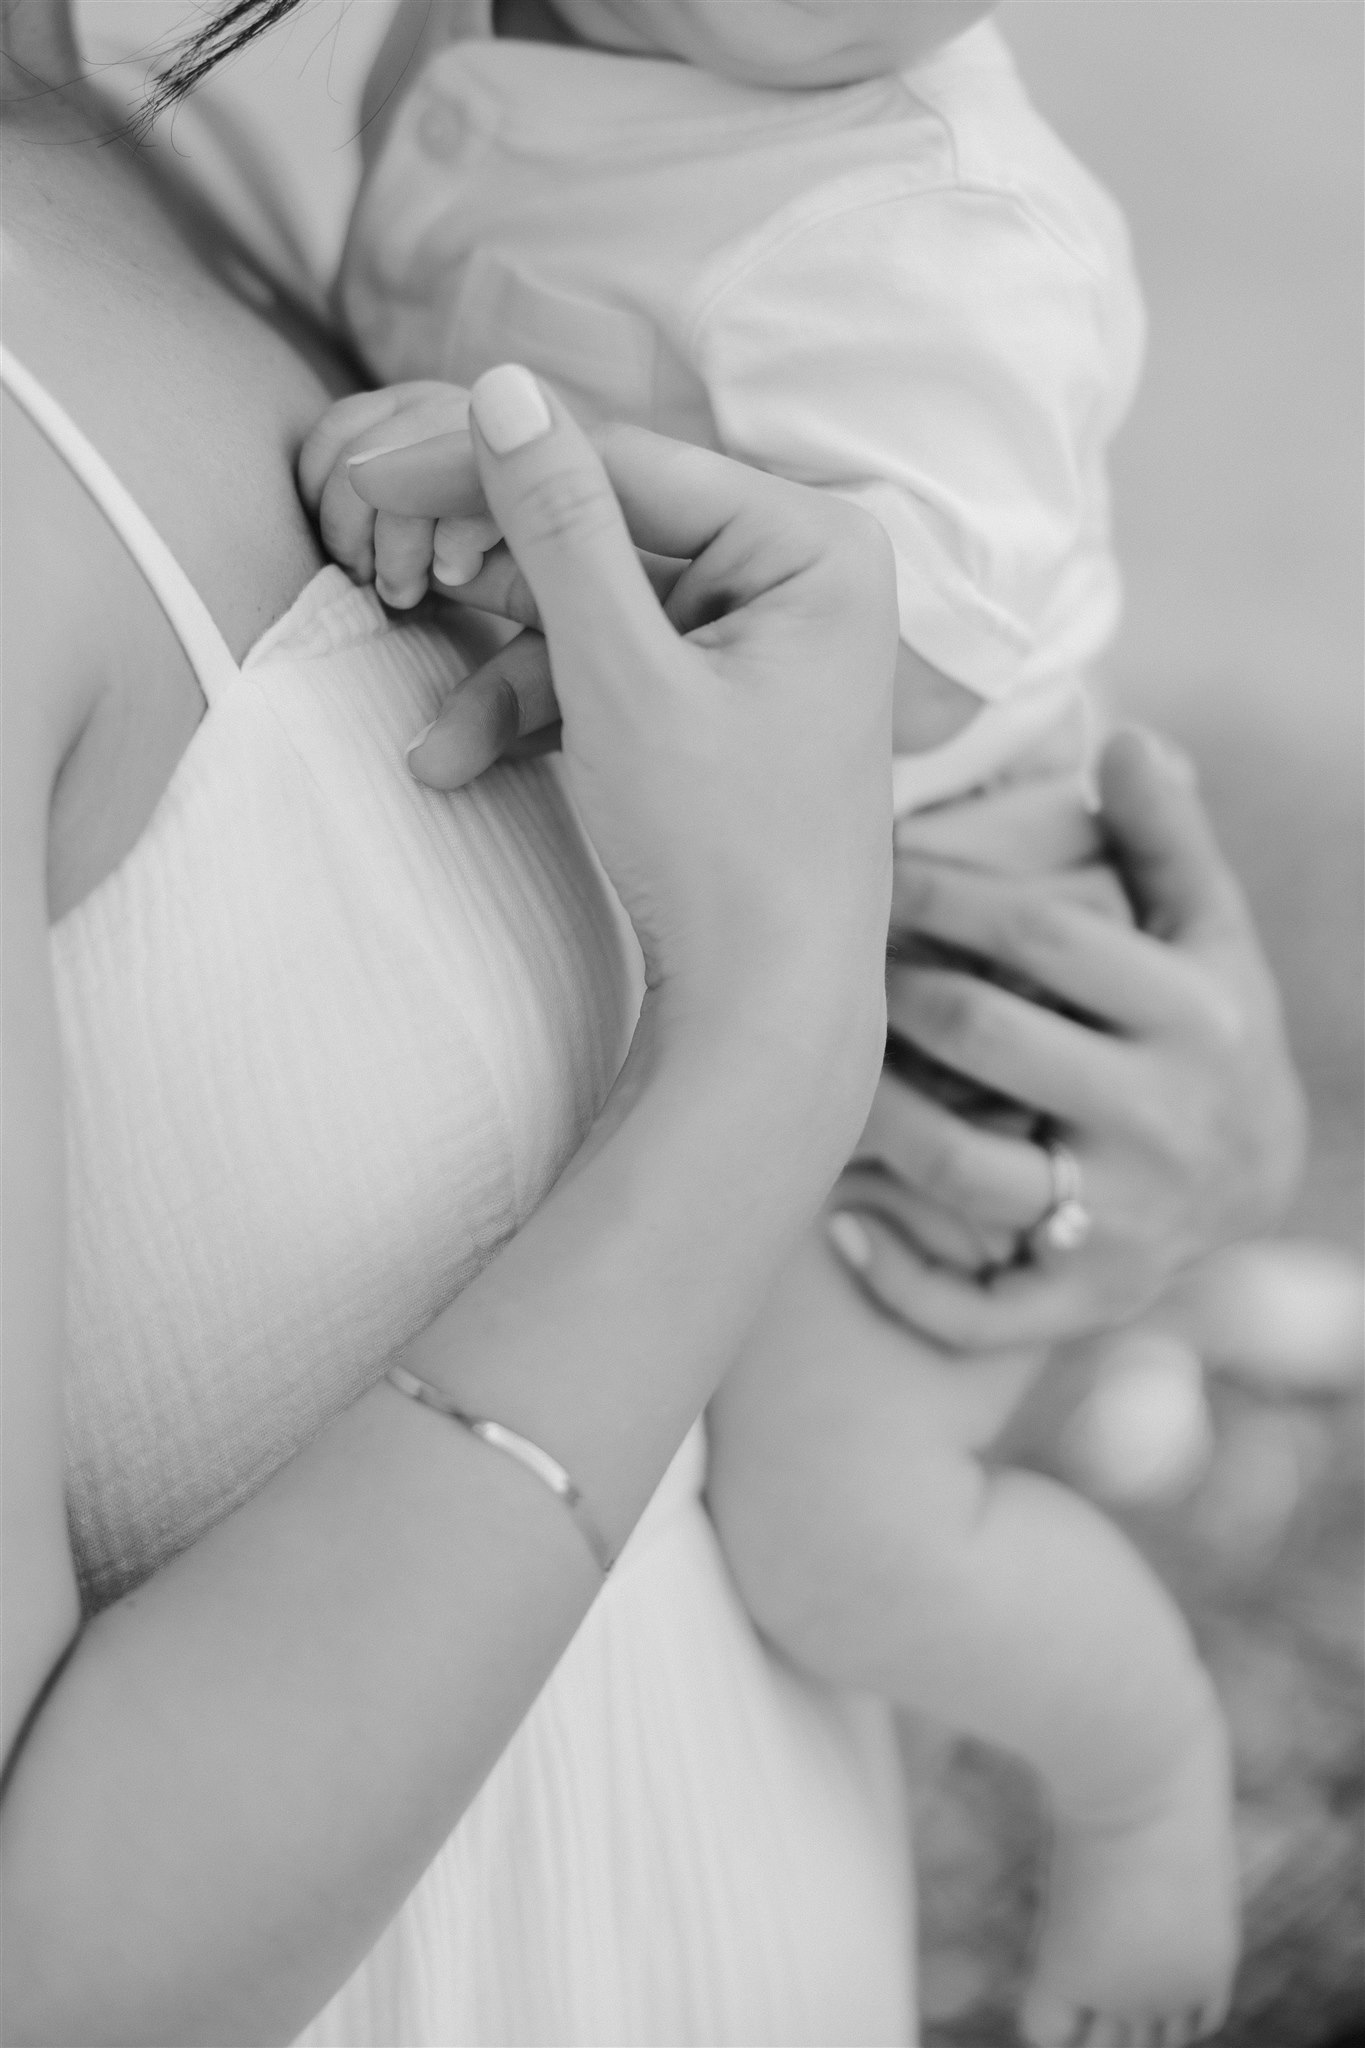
735	780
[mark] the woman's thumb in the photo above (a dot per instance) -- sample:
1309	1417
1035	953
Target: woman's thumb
1160	837
549	493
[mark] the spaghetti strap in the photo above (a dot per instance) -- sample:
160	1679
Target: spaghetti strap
194	626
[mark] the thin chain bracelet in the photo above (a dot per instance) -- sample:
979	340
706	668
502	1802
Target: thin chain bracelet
499	1438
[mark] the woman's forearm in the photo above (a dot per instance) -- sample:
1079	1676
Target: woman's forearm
246	1764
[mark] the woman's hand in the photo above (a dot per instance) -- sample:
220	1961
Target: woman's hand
1178	1101
731	759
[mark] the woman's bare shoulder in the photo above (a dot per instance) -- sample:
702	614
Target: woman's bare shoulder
99	700
51	668
47	691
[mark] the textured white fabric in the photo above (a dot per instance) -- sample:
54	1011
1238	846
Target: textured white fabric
328	1038
905	290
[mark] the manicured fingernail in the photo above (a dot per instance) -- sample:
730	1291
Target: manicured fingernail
509	408
850	1240
413	745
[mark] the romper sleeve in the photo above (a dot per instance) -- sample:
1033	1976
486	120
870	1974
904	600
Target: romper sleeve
945	359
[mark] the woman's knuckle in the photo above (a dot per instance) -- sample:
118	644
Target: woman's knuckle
981	1027
938	1166
566	504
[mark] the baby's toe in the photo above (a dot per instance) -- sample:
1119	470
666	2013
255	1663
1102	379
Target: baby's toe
1049	2022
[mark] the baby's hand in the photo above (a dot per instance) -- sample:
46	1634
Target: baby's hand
399	553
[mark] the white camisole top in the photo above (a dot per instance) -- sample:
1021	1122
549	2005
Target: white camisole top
328	1038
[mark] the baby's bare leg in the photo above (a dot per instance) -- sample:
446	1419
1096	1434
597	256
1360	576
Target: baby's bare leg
877	1551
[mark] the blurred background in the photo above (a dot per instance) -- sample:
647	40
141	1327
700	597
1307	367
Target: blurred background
1225	1432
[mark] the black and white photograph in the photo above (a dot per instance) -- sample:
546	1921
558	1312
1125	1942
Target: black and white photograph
683	985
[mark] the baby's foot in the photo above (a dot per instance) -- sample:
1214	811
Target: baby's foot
1139	1940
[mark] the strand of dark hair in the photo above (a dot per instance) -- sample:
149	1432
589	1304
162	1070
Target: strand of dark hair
231	29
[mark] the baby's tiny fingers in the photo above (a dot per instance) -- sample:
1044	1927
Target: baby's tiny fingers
509	698
402	558
460	545
346	524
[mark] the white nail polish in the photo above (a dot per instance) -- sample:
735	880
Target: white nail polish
850	1240
509	408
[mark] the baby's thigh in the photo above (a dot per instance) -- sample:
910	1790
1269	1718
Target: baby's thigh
842	1476
832	1397
823	1360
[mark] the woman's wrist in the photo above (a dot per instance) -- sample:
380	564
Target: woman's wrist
800	1047
649	1260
